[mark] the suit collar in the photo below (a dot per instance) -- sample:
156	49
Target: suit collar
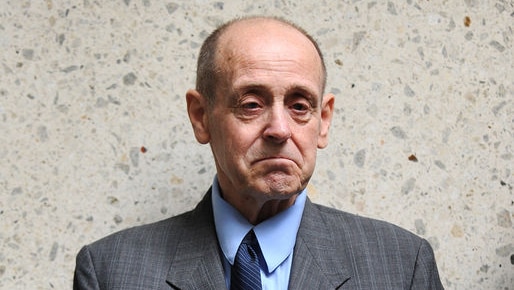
196	263
316	258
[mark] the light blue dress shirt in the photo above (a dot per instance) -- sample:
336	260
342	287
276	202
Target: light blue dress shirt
276	236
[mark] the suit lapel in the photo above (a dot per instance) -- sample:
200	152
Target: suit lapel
316	260
196	264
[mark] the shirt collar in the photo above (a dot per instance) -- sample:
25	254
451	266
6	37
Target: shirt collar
276	235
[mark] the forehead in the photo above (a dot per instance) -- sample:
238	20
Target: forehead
262	42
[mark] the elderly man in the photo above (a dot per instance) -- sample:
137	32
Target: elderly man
259	103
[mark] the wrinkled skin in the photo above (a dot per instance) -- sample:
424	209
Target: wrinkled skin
269	116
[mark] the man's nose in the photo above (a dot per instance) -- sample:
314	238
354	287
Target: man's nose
277	129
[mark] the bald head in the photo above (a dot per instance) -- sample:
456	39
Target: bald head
226	47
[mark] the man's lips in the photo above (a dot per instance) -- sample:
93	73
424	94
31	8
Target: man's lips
274	158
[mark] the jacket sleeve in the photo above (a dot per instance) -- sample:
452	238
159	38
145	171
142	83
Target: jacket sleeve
85	275
426	275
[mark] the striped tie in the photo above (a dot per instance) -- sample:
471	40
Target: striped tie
245	274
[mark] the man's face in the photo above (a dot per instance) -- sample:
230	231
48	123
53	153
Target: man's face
269	117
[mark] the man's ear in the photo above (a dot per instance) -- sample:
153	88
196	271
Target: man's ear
327	110
197	111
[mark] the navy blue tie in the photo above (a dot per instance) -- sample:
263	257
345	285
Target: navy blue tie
245	273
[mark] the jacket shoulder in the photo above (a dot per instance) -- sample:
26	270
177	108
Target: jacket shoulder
132	258
380	254
141	257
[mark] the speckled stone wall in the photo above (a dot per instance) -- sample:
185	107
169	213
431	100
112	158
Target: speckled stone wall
94	137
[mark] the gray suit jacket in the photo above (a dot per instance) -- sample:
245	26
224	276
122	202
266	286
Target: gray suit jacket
334	250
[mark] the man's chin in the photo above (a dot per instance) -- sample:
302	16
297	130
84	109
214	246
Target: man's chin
281	186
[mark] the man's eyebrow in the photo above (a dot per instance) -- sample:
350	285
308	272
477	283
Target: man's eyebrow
310	93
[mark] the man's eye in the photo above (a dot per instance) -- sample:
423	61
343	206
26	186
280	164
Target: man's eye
250	106
300	107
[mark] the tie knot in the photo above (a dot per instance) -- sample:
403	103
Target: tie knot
250	239
245	273
252	244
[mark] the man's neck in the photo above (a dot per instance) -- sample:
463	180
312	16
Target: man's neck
256	211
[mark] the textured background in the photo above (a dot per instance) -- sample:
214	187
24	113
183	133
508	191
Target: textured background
94	137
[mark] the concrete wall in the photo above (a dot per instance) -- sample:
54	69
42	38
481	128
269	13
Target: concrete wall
94	137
